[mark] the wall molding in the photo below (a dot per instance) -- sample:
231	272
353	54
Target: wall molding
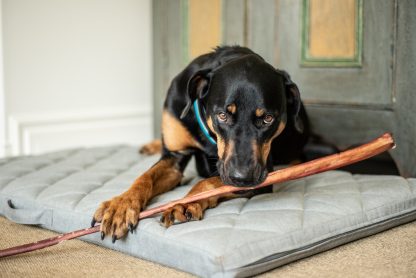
29	133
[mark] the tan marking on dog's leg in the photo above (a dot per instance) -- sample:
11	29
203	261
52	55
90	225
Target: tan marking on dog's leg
175	135
151	148
195	211
121	213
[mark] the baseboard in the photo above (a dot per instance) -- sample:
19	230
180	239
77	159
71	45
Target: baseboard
38	133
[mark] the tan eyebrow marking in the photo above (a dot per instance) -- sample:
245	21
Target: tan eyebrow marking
259	112
232	108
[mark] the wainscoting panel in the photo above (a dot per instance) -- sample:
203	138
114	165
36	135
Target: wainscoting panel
35	134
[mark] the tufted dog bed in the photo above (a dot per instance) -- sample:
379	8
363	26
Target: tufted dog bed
60	191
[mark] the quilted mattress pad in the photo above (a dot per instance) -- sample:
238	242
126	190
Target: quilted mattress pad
241	237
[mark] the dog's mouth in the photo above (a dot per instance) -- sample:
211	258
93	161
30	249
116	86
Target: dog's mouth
242	177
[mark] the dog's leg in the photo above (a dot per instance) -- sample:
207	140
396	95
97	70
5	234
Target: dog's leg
195	211
121	213
151	148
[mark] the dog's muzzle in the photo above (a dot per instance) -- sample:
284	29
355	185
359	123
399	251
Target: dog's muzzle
242	176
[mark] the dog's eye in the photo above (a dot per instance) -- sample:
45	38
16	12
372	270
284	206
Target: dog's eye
222	117
268	119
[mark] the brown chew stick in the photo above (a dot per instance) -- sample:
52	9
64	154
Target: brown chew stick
377	146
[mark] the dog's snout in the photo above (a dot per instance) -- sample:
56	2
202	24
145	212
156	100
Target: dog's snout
246	176
238	175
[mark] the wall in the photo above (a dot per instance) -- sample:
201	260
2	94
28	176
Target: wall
76	73
2	104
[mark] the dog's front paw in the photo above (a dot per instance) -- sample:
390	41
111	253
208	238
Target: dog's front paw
193	211
182	213
118	215
152	148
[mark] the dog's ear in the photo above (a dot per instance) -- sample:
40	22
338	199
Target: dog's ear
197	87
293	100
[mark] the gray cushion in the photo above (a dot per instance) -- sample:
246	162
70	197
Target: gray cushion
60	191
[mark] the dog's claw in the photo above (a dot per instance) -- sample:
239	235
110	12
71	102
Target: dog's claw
93	221
188	215
172	217
181	214
131	228
102	235
114	239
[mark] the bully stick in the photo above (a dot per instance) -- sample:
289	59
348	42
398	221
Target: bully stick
377	146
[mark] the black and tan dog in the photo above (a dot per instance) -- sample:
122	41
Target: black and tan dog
237	114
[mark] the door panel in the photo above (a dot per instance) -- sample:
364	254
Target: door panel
169	54
233	22
367	85
331	33
202	36
261	32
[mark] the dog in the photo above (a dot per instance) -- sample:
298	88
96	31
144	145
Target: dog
236	114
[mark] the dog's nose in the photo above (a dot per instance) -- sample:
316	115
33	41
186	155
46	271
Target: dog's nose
238	175
244	176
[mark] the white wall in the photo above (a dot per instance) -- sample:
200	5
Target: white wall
76	73
2	104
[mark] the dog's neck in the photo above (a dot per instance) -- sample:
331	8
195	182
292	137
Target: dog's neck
201	119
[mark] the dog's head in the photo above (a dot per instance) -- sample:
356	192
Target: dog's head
247	104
